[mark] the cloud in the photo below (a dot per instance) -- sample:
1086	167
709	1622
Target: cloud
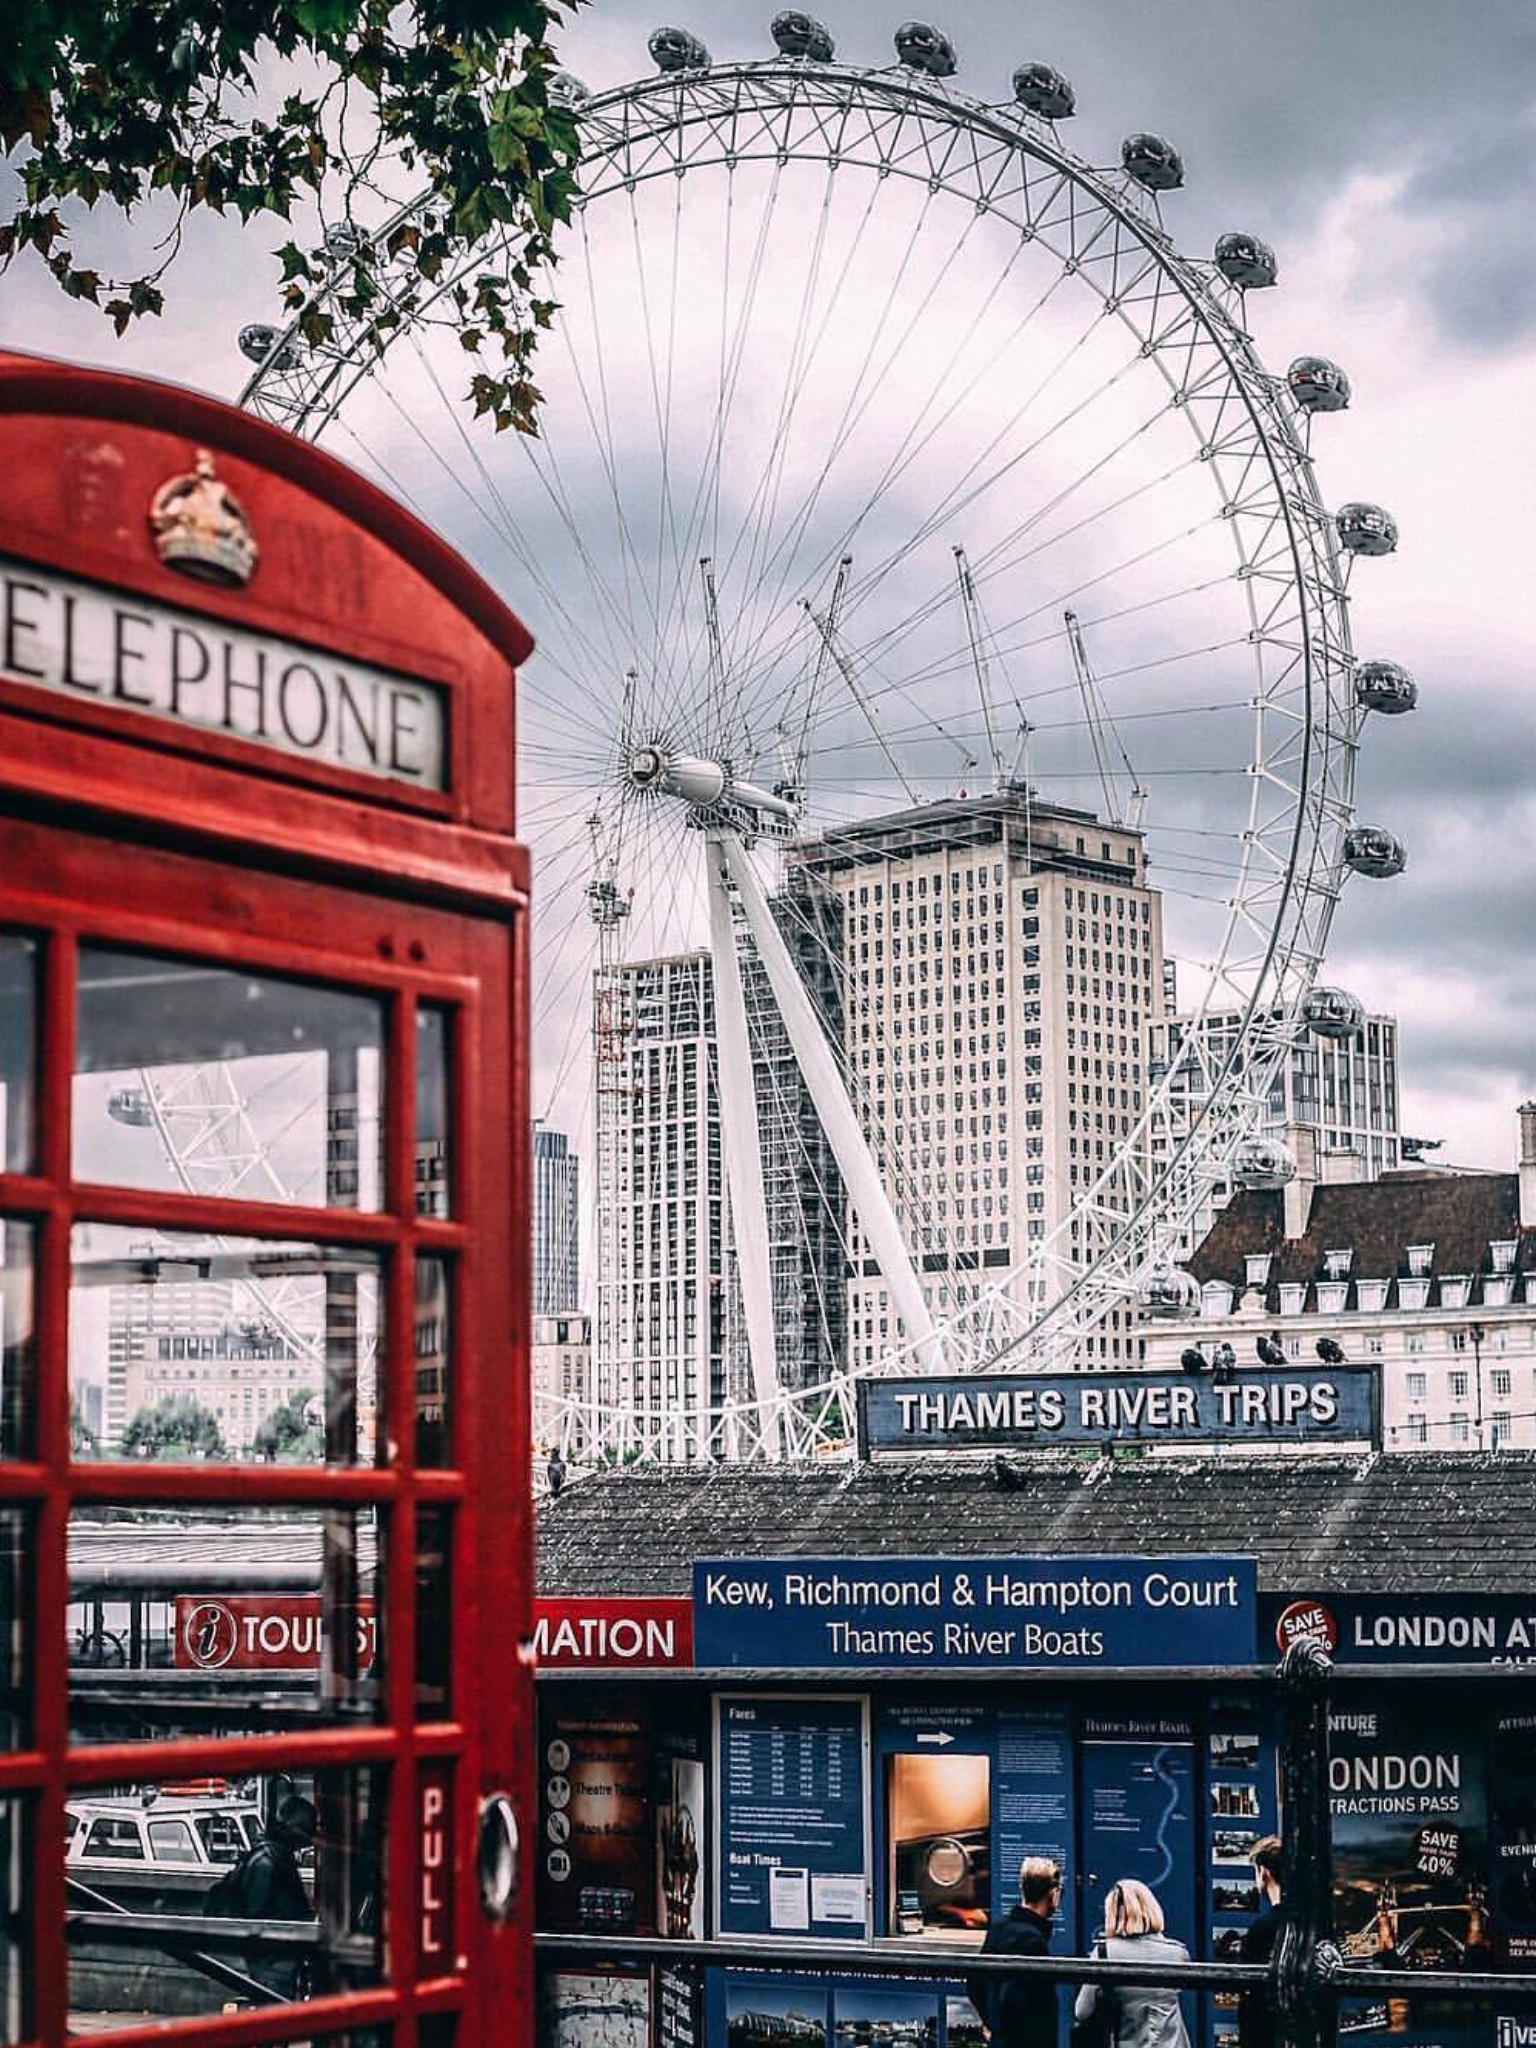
1388	154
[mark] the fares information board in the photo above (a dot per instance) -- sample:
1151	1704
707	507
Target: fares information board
968	1411
974	1613
794	1851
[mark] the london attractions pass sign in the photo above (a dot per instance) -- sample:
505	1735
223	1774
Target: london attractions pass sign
1037	1410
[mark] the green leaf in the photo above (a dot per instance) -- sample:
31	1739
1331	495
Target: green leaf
321	19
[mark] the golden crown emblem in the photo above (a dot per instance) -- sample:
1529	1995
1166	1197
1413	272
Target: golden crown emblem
201	528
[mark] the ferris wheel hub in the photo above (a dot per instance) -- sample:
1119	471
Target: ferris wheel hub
711	790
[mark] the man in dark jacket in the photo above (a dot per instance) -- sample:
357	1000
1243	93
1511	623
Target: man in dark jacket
1021	2012
265	1885
1256	2014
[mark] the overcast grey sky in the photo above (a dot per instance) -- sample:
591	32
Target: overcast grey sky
1387	148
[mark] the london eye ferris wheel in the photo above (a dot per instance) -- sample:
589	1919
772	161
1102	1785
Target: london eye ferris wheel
901	491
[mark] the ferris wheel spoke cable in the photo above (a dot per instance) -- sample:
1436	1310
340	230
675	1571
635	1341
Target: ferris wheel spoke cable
1054	604
964	491
862	393
894	465
498	514
918	733
897	465
907	451
784	551
763	503
941	597
666	516
961	498
407	496
894	353
600	425
703	516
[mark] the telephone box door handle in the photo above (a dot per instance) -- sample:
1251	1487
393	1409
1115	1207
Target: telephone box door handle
500	1857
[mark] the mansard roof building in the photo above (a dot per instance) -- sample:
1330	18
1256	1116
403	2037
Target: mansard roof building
1429	1274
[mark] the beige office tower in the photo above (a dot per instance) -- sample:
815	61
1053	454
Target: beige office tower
1002	972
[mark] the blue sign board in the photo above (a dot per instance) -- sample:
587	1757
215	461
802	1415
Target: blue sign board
981	1411
966	1614
793	1841
1138	1773
1404	1628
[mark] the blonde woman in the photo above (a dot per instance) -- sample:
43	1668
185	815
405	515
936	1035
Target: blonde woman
1132	2015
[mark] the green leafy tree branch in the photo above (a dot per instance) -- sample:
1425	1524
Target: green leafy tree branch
287	1434
176	1428
119	102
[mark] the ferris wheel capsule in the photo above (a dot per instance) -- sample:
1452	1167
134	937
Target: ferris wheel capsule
1043	90
1246	261
922	47
343	241
565	90
1366	529
1169	1294
1372	850
801	35
1261	1163
1333	1013
1153	162
677	49
1318	385
130	1106
262	343
1385	686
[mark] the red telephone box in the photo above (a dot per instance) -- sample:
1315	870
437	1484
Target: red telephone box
265	1520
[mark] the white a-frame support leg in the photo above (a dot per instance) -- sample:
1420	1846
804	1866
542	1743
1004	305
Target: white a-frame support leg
742	1143
814	1057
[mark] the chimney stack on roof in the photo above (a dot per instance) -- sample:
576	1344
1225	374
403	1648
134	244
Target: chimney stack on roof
1528	1166
1341	1166
1302	1139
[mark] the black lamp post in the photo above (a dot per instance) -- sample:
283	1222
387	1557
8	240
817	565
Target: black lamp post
1477	1333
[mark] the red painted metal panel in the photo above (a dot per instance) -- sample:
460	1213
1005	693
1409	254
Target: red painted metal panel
613	1633
161	836
247	1632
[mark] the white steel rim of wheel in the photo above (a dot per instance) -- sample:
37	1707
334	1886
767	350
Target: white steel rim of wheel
814	313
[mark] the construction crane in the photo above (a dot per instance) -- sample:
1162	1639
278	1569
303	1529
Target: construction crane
975	632
1101	730
826	626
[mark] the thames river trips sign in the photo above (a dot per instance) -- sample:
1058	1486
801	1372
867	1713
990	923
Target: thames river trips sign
1034	1410
974	1613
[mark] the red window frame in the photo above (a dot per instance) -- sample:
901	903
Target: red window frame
65	887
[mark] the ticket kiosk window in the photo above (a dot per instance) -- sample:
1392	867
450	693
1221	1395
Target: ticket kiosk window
939	1827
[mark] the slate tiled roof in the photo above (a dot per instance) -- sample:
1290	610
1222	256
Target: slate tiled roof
1323	1523
1460	1214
